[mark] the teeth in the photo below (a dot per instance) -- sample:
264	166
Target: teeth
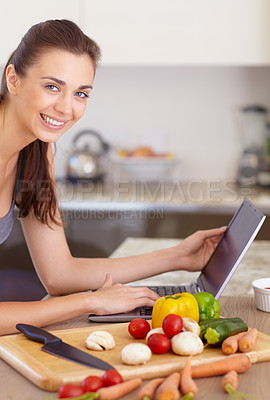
51	121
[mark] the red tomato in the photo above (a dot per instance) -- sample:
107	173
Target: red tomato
158	343
138	328
111	377
92	383
172	324
67	391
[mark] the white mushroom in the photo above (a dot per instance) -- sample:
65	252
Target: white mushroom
100	340
155	330
186	343
135	354
191	326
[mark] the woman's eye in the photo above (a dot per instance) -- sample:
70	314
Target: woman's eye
52	87
82	95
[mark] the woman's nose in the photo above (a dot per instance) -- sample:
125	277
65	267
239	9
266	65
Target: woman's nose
64	104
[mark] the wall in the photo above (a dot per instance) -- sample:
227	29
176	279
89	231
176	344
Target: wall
192	111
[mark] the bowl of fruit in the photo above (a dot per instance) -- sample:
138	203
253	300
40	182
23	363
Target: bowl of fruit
144	164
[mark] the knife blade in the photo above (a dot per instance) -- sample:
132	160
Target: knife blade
54	345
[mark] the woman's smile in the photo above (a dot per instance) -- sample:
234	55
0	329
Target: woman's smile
51	122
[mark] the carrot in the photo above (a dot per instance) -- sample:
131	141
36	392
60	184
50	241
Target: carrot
248	341
230	344
147	392
187	384
169	389
118	390
229	381
229	384
239	363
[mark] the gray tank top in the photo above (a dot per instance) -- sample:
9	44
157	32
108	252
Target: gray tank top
6	224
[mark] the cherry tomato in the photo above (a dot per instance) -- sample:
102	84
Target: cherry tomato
138	328
92	383
69	391
172	324
111	377
158	343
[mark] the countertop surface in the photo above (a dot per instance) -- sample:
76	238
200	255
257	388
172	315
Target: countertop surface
205	196
254	265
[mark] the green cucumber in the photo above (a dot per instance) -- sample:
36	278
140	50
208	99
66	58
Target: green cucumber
215	331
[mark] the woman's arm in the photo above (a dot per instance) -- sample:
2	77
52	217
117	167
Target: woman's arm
61	273
108	299
71	273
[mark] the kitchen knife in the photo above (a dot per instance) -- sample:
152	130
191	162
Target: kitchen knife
55	346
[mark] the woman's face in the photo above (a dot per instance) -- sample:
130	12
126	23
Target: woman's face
53	94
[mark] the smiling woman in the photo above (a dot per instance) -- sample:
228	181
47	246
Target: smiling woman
44	90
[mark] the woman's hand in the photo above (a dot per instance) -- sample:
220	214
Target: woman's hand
198	248
117	298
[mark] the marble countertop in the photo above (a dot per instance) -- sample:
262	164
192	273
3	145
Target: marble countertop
204	196
254	265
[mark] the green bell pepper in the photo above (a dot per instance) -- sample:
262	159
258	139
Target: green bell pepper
209	307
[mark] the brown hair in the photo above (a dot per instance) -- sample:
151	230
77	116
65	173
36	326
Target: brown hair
34	182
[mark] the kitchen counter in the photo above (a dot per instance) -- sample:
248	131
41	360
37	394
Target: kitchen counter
254	265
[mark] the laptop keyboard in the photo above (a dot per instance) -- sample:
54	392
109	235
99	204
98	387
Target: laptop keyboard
168	290
162	291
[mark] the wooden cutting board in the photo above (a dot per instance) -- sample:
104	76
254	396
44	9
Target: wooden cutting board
50	372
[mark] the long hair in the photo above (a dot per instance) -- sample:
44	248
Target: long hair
34	182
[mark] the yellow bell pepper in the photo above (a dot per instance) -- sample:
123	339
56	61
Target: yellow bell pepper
183	304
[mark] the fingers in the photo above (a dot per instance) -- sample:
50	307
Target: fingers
140	296
212	233
146	293
136	292
142	301
119	298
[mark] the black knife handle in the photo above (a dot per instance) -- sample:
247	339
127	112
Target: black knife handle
37	334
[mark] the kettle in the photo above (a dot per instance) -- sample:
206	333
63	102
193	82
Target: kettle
84	164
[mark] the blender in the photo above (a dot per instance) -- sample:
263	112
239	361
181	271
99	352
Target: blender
264	164
253	131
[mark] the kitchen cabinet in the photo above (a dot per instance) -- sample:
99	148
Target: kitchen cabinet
154	32
180	32
18	16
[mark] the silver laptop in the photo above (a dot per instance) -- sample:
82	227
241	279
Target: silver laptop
224	261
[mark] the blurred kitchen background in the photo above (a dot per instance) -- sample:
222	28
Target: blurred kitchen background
185	79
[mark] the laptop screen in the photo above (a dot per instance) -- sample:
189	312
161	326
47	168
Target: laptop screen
241	231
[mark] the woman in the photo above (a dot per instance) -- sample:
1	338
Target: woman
44	91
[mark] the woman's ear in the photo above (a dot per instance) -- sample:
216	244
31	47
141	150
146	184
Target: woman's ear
12	79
